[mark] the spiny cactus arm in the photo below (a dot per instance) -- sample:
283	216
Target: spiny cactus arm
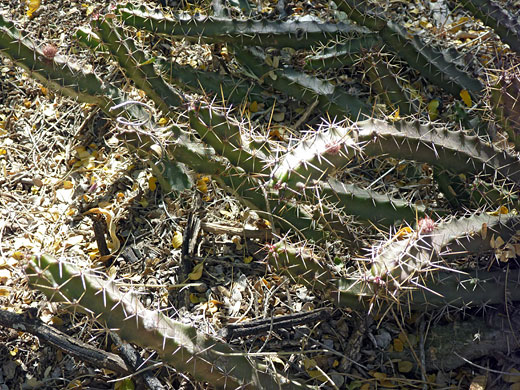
56	73
180	345
234	90
401	261
435	65
369	205
136	66
315	158
498	18
435	290
343	54
384	85
504	101
331	100
296	34
328	150
185	77
225	138
452	150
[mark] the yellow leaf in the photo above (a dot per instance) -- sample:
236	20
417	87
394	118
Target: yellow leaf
433	109
395	116
163	121
404	366
309	363
17	255
248	259
464	94
195	298
196	274
177	240
403	232
318	375
56	321
202	184
478	383
32	6
501	210
253	107
398	345
152	183
513	376
380	376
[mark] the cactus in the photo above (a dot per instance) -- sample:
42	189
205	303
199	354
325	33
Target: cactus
301	185
294	34
182	346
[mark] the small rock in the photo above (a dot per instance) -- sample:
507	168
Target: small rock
383	339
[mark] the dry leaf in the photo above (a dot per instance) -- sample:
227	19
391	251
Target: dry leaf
478	383
196	274
32	6
466	98
177	240
404	366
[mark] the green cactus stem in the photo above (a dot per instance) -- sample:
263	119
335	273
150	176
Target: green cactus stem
329	150
436	65
137	67
401	261
57	72
498	18
331	99
182	346
343	54
296	34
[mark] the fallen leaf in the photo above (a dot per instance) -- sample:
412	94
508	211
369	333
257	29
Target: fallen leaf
196	274
177	240
32	6
466	98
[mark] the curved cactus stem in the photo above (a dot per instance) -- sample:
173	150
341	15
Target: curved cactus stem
436	65
452	150
210	83
233	89
182	346
369	205
296	34
137	67
437	290
332	149
343	54
334	101
501	20
56	73
401	261
226	138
